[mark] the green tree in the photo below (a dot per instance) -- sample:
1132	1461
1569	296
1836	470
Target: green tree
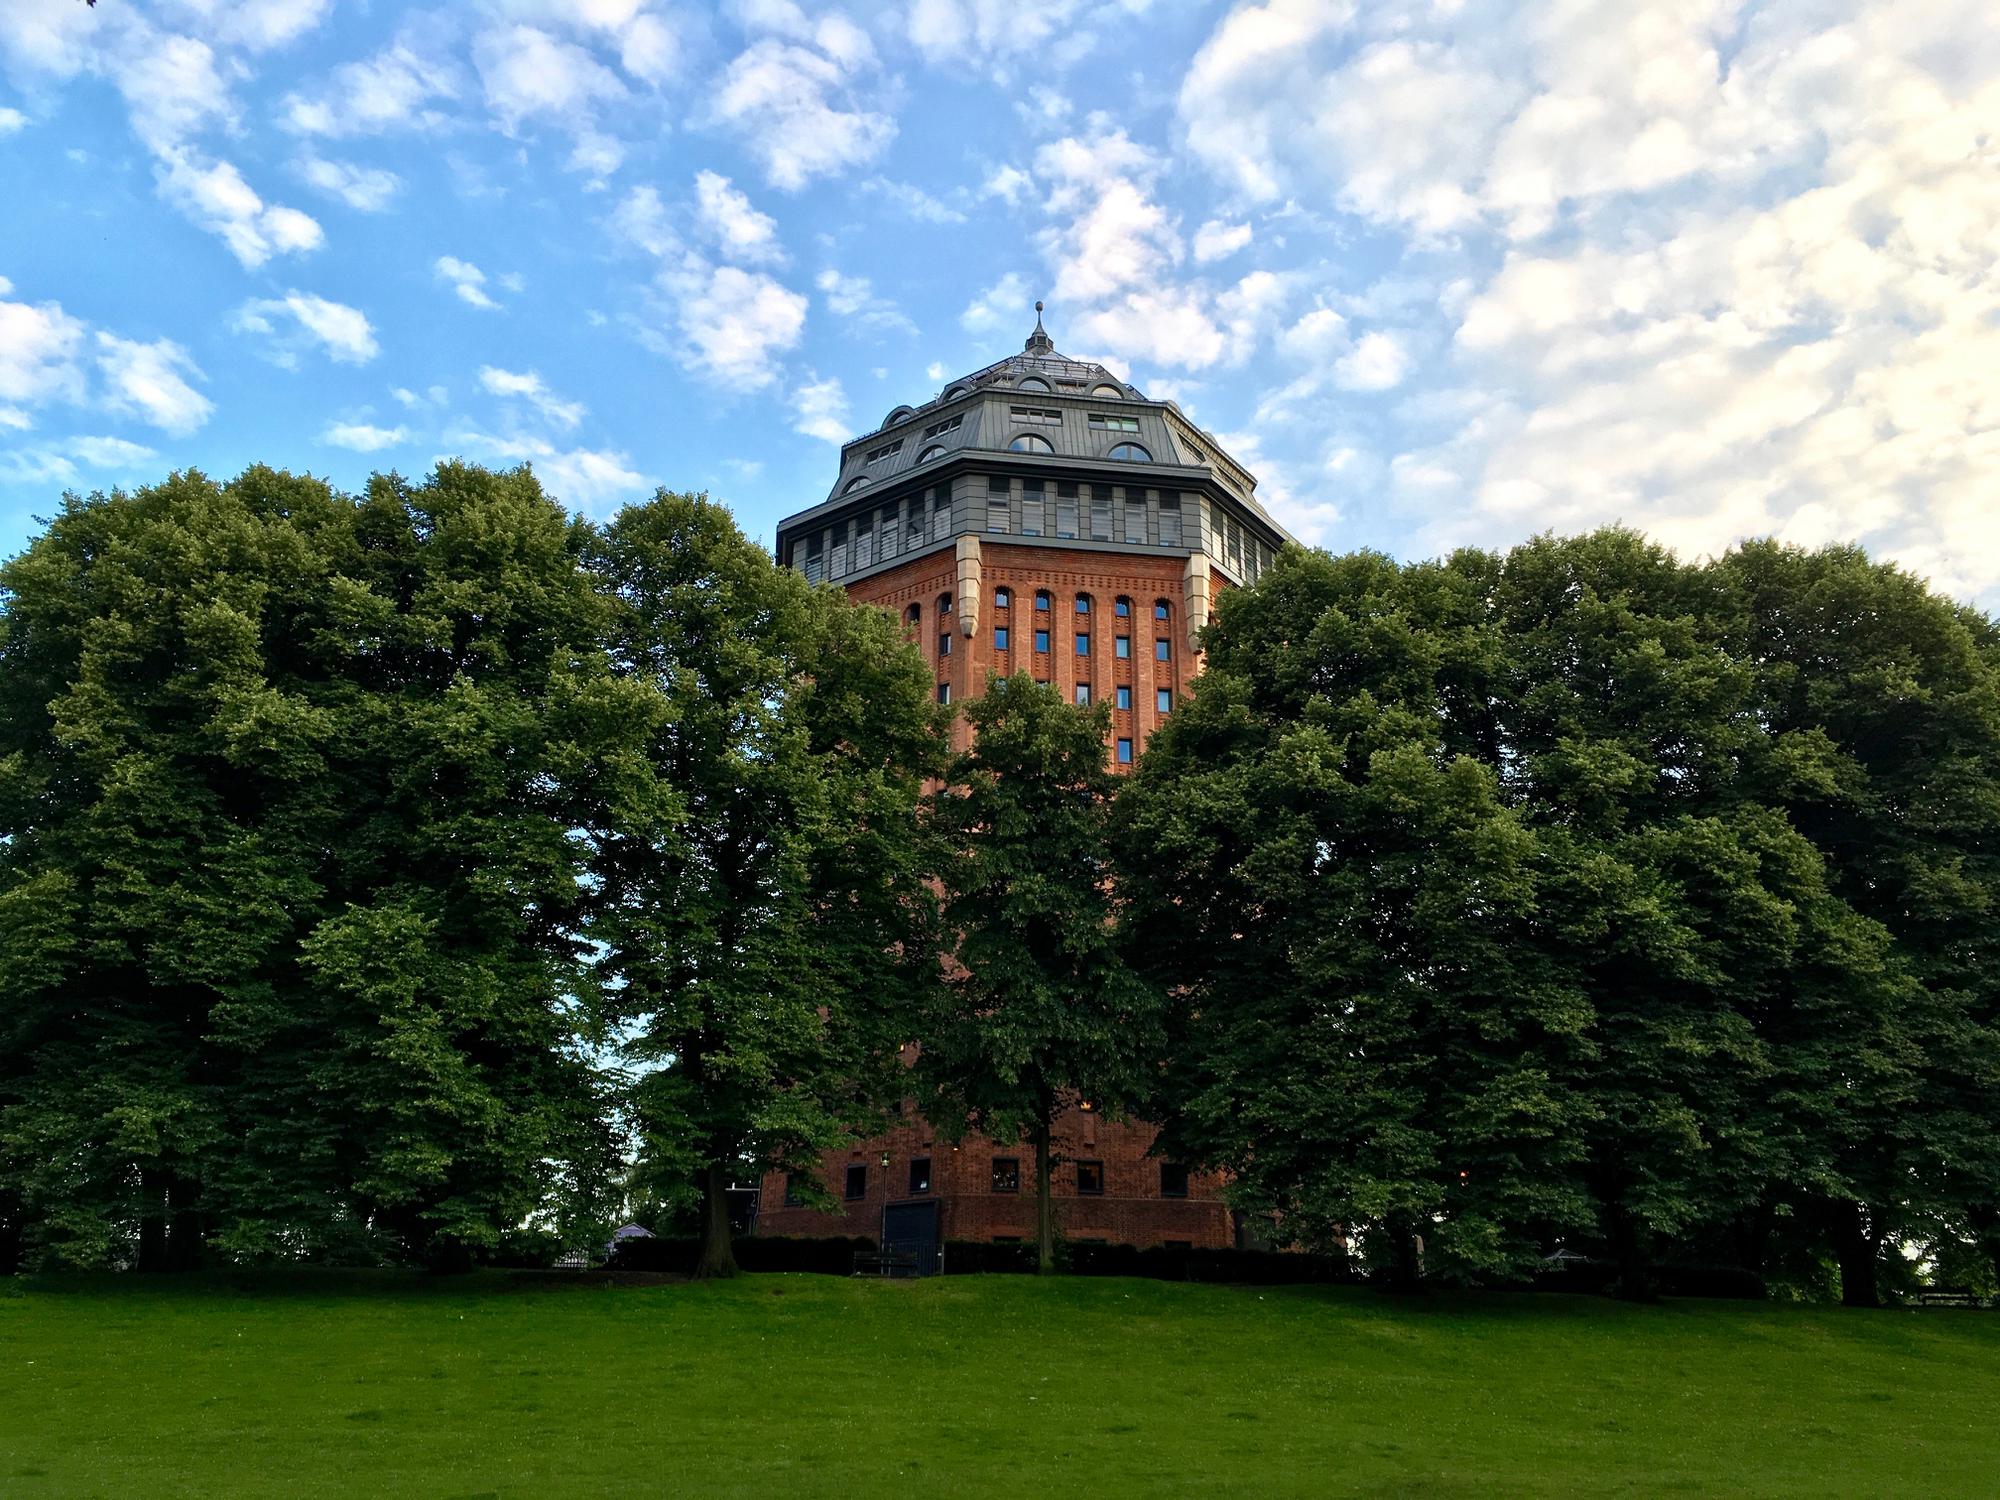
1039	1009
289	956
763	909
1371	1030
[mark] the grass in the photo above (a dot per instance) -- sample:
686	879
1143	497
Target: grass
782	1386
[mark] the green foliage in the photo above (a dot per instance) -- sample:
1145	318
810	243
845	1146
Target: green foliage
290	961
1651	897
762	907
1039	1009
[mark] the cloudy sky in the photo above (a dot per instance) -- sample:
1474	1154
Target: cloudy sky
1438	272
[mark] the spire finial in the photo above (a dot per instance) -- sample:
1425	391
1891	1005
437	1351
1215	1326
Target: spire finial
1039	341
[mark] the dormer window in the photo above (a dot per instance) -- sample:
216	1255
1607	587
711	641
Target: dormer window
890	450
861	482
1110	391
1106	422
947	425
1031	442
1031	383
936	450
1046	416
1130	453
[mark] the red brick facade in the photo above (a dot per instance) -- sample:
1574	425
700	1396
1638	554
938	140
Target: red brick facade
1129	1211
1131	1208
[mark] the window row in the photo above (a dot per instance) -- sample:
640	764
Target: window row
1100	512
1004	1177
1034	442
876	535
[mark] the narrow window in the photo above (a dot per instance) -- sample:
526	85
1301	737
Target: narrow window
1125	695
1090	1179
1122	647
1124	752
920	1174
1159	609
1122	607
1002	599
1162	650
944	643
793	1198
1135	519
944	692
1007	1174
1163	700
1083	604
999	637
857	1180
1083	643
915	615
1083	695
1170	518
1042	641
1041	598
1100	512
1173	1180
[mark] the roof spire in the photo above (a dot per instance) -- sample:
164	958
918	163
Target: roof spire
1039	341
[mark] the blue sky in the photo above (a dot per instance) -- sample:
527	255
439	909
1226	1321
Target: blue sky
1439	273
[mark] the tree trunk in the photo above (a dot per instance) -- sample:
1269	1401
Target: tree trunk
1045	1216
186	1232
718	1253
1405	1268
152	1220
1631	1245
1855	1248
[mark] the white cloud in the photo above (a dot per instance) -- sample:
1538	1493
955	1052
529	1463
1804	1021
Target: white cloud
641	221
796	106
172	88
364	437
215	196
39	345
819	410
369	189
1001	308
253	25
11	120
465	279
1000	37
390	91
528	386
855	298
733	324
1216	240
1009	184
585	478
737	229
149	381
1377	362
111	452
527	73
299	320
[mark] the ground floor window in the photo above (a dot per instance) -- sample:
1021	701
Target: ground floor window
1006	1174
920	1174
857	1180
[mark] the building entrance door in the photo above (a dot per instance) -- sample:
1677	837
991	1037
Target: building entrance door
911	1229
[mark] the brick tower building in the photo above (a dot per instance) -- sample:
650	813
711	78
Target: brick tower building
1041	516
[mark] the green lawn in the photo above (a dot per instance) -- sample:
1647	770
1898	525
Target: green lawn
781	1386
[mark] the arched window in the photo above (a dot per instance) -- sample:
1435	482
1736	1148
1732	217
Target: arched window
944	605
1002	599
1031	442
1160	609
936	450
1032	383
1109	392
1083	604
914	616
1122	607
1130	453
957	390
860	483
1042	600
